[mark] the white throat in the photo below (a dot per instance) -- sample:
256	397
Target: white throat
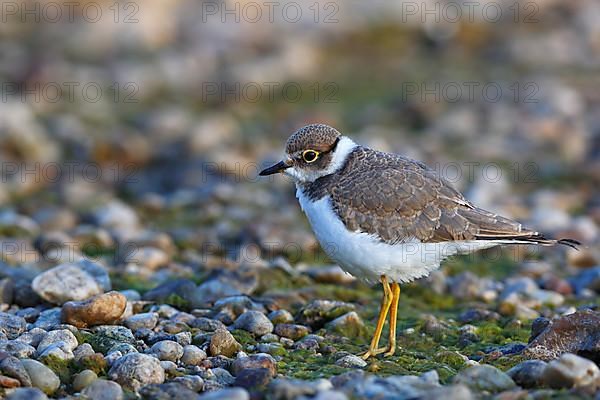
339	156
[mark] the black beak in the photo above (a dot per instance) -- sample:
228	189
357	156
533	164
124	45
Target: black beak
274	169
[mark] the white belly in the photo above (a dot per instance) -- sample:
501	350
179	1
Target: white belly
367	258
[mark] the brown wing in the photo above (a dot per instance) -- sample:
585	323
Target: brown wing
396	199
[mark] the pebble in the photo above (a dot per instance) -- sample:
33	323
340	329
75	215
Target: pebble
116	215
192	355
573	333
484	378
27	394
65	337
290	389
134	370
254	322
84	379
255	361
223	343
291	331
9	383
318	312
192	382
7	287
12	367
528	374
167	350
11	325
143	320
351	361
281	317
83	350
101	389
570	371
17	349
349	325
226	394
48	319
253	379
148	257
41	376
64	283
107	336
102	309
171	391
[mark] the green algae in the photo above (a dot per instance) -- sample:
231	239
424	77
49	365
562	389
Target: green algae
124	281
243	337
64	369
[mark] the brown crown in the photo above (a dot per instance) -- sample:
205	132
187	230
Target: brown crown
315	137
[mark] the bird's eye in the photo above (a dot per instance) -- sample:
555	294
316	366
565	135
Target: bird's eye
310	155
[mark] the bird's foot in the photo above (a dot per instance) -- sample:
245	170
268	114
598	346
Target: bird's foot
390	351
372	353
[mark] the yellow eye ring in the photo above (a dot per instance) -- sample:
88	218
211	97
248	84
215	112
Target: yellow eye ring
310	155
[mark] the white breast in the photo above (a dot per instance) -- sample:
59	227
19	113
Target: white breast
367	258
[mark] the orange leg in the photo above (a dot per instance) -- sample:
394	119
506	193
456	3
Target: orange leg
386	302
393	319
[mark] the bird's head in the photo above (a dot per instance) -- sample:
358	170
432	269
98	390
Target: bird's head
312	152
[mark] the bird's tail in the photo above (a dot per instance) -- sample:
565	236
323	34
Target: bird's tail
532	238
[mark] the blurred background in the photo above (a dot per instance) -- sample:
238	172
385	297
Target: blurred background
146	123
